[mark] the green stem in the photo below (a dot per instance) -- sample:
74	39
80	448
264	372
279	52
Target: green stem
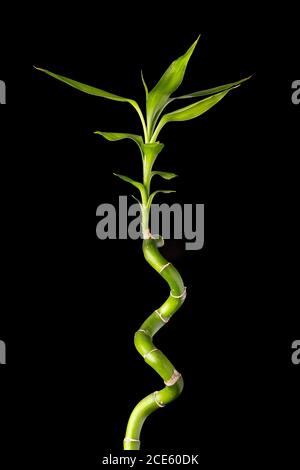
144	335
150	153
154	357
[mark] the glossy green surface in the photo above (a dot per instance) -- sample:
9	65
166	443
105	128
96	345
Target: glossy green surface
168	84
143	341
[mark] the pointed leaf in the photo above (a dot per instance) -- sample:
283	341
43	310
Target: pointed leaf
136	184
114	136
167	85
137	200
145	85
151	197
129	180
150	153
90	90
211	91
190	112
164	174
85	88
152	150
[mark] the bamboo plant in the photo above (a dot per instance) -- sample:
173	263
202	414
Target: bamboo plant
152	123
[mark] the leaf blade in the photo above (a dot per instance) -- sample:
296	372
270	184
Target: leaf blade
115	136
212	91
168	84
164	174
144	85
134	183
90	90
151	197
129	180
190	112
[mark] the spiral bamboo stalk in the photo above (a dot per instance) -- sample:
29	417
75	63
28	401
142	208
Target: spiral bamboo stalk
155	358
143	339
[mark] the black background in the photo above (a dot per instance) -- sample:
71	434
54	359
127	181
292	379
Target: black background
72	302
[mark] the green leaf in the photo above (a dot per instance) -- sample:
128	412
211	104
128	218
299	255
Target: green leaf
145	85
164	174
85	88
211	91
114	136
151	151
136	199
151	197
168	84
136	184
90	90
189	112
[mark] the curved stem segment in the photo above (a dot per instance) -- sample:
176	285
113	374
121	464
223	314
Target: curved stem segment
153	356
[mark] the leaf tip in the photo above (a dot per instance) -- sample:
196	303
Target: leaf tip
190	50
144	84
195	43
